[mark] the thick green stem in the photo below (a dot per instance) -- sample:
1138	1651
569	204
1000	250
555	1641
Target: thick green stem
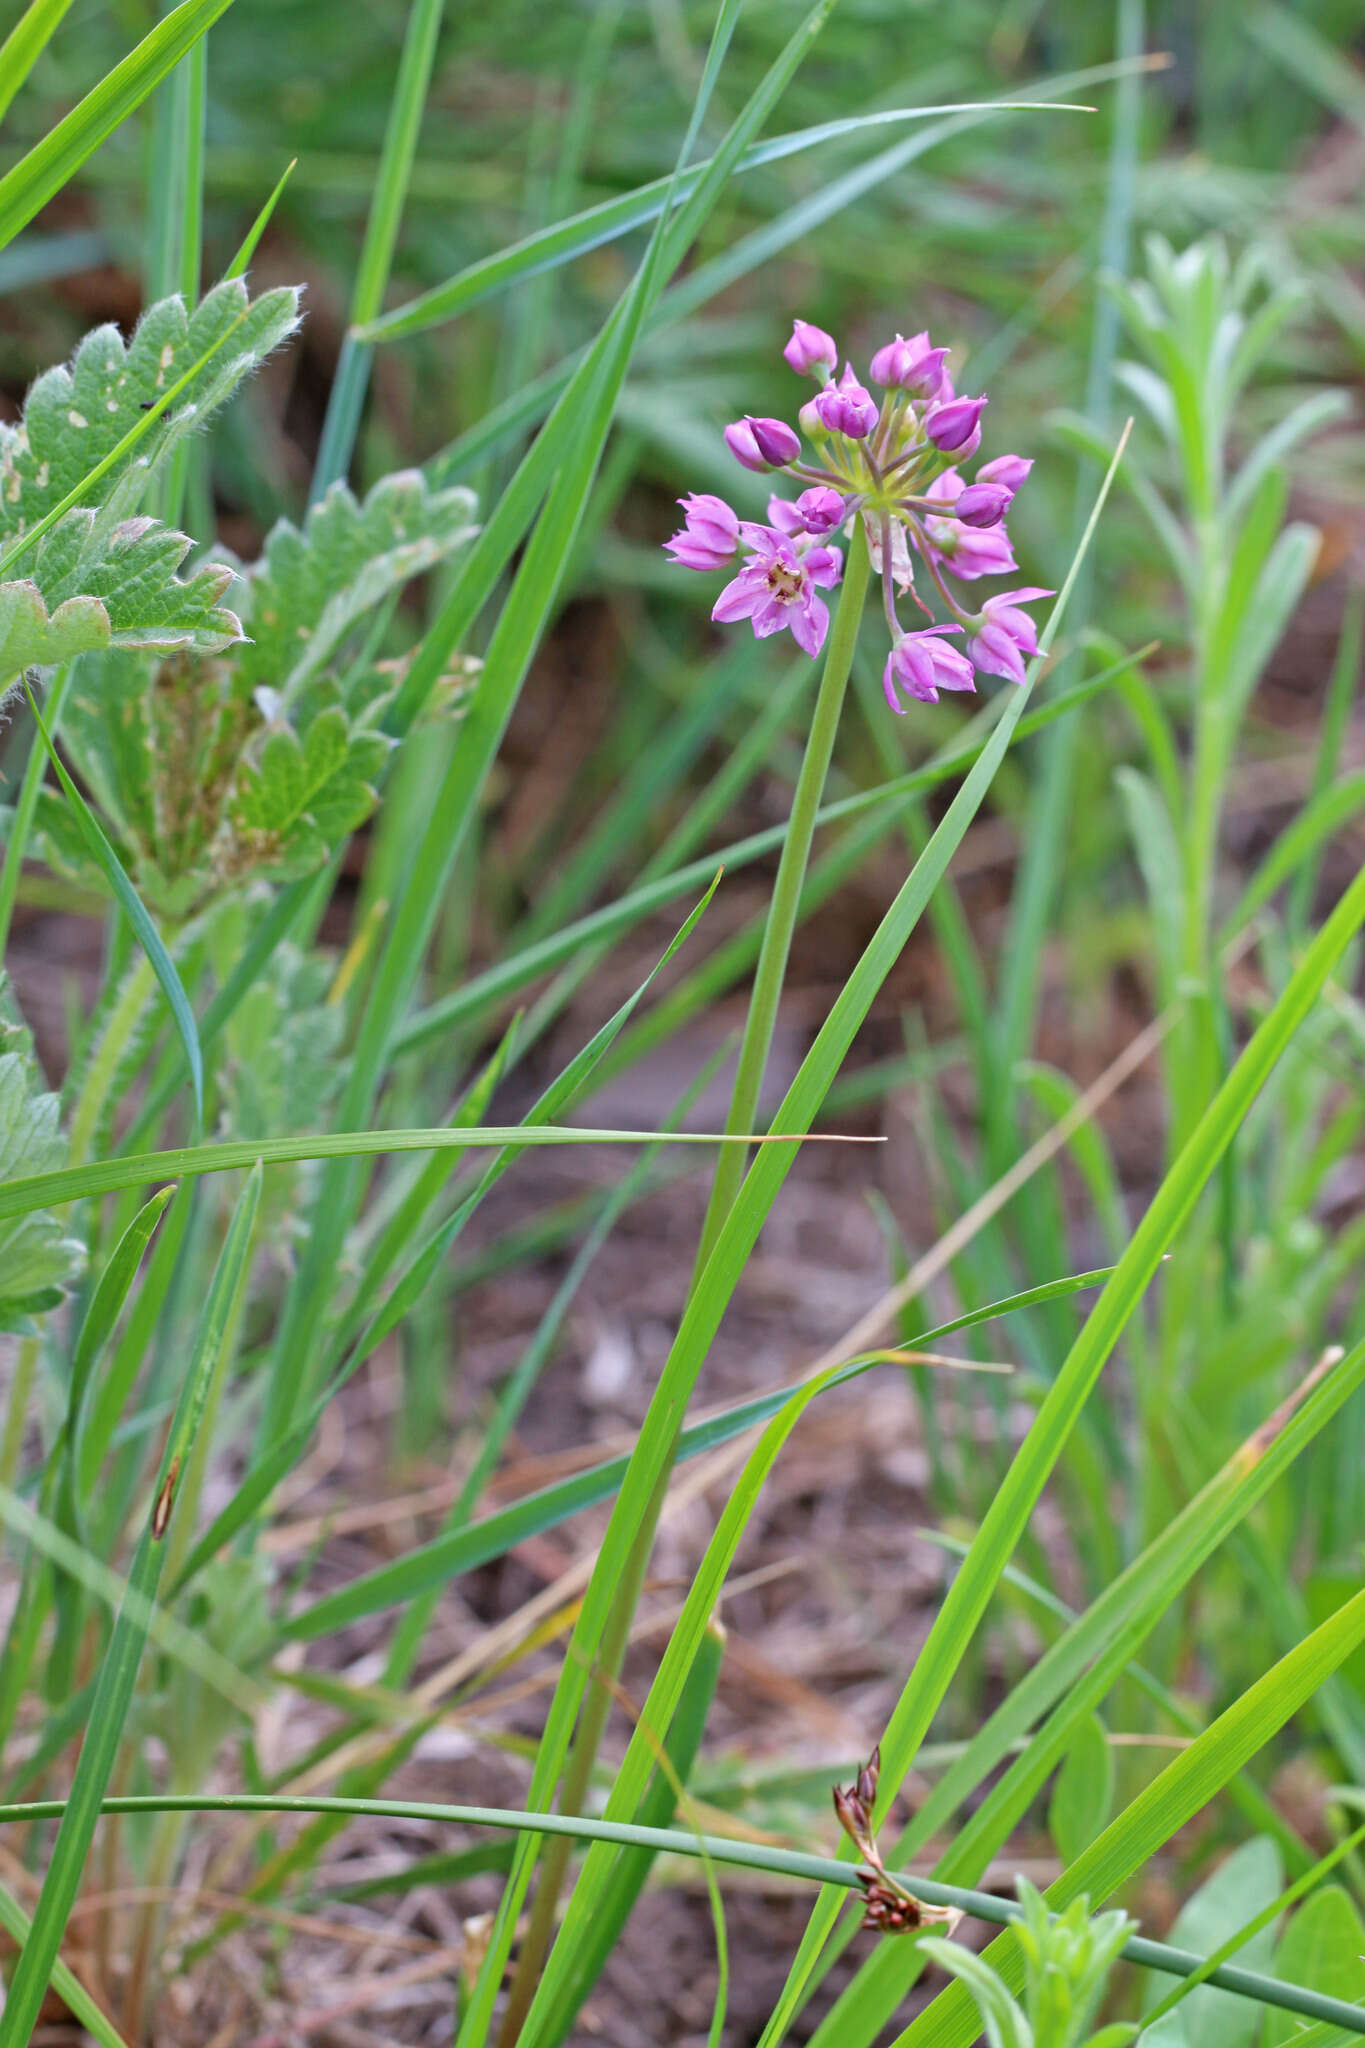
786	898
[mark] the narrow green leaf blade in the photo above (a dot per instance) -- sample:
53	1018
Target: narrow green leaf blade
133	908
56	159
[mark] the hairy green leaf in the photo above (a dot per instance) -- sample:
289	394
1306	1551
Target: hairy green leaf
38	1258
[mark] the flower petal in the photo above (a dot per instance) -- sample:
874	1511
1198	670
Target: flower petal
809	624
740	598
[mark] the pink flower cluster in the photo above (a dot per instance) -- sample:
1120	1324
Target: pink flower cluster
896	464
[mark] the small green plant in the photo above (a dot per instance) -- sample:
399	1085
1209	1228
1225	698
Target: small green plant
1067	1960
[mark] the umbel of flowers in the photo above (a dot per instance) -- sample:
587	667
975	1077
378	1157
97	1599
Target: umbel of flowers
896	465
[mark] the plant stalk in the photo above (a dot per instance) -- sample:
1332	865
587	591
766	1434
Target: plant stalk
786	898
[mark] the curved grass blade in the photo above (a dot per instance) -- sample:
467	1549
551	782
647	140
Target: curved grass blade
463	1549
111	1291
119	1669
131	904
105	1176
723	1850
445	1557
549	247
48	166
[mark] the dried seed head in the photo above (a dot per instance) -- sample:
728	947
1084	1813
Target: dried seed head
868	1776
889	1911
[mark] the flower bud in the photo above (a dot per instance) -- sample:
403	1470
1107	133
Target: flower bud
847	407
811	352
710	533
982	505
810	422
821	509
1009	470
951	425
1002	636
762	444
852	1818
921	664
911	366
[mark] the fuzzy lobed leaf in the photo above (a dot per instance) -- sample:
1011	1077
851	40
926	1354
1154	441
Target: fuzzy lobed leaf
312	584
302	793
76	416
38	1260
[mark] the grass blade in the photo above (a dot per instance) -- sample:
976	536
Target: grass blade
105	1176
240	262
550	247
722	1849
24	45
118	1672
131	904
49	165
1197	1775
65	1982
347	395
435	1563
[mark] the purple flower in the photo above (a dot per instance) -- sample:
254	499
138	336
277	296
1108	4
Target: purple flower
776	588
983	505
762	444
951	423
1004	635
816	511
911	366
1009	470
848	407
921	665
709	536
811	352
968	551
